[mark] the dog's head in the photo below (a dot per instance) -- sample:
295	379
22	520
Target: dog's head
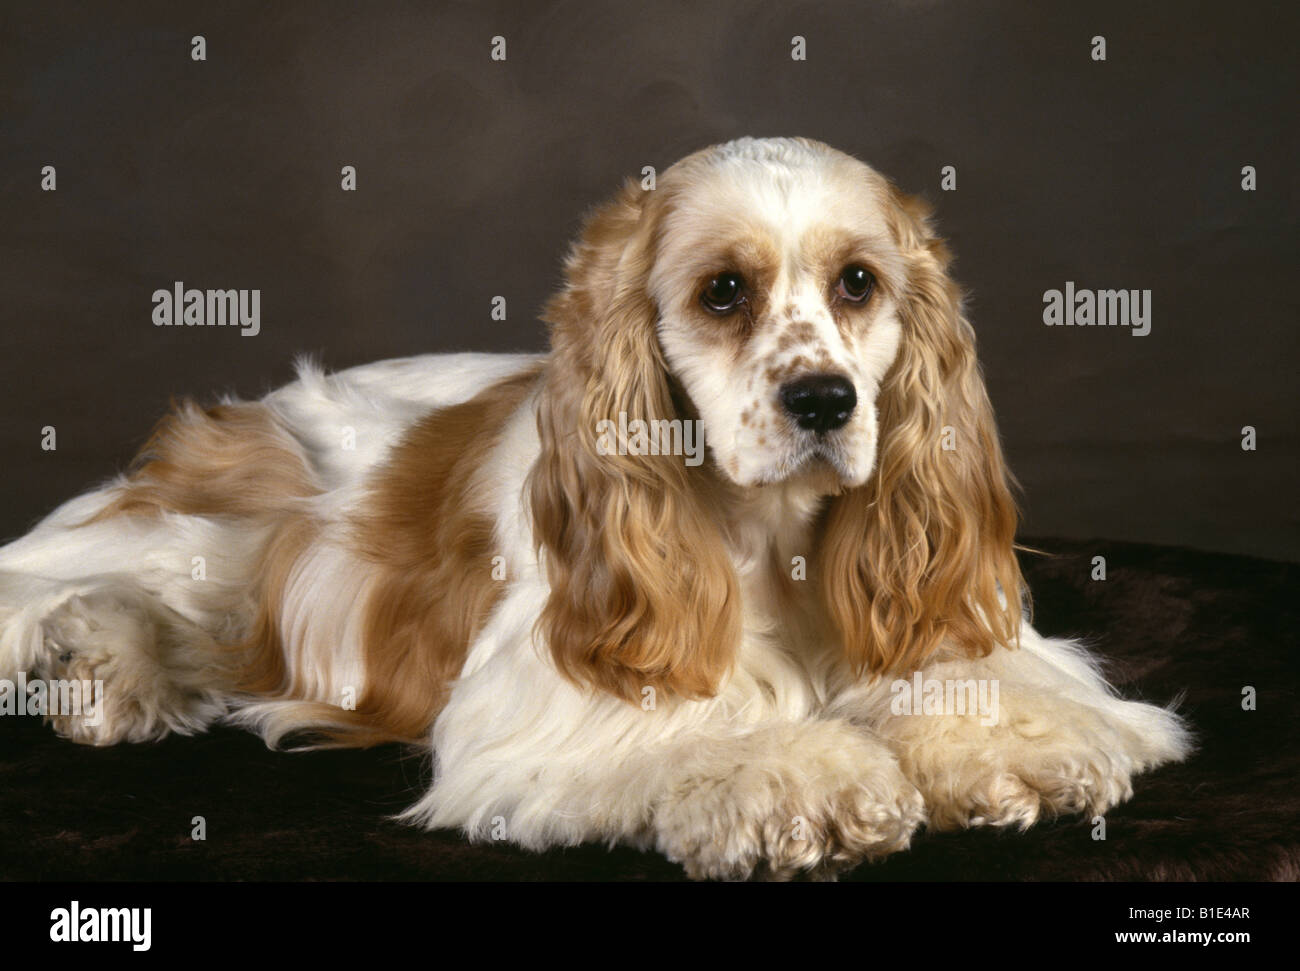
798	306
778	282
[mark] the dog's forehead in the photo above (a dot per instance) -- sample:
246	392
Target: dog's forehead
786	199
790	209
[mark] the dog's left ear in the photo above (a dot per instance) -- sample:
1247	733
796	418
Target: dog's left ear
642	593
921	556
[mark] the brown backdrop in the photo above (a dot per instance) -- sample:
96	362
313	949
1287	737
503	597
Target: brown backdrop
472	175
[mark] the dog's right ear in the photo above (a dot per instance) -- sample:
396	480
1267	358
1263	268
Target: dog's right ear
642	592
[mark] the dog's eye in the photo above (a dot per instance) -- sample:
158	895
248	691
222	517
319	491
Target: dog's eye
725	293
856	284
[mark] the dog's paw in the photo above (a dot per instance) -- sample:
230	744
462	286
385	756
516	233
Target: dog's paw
138	670
804	800
1044	758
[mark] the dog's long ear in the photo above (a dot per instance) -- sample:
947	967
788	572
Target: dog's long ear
642	593
922	555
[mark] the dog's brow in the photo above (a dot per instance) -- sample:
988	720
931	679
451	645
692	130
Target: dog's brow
832	244
753	254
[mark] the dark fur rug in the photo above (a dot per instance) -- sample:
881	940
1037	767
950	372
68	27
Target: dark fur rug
1170	621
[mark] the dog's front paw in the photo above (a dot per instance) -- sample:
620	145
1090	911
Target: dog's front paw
807	799
1046	756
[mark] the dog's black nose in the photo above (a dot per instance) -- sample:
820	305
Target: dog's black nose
819	402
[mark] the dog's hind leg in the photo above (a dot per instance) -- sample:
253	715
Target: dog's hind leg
151	671
110	615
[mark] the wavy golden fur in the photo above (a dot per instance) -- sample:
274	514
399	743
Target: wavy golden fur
642	592
924	552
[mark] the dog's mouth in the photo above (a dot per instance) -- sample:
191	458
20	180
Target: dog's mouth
821	462
825	459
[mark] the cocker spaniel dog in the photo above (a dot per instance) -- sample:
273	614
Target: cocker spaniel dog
728	573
